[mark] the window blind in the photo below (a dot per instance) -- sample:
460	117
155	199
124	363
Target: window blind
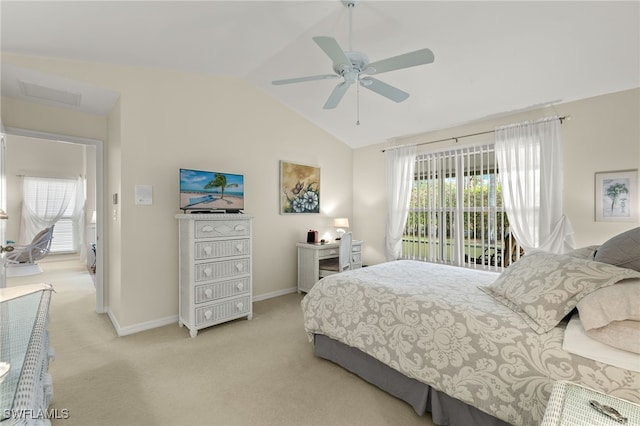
456	213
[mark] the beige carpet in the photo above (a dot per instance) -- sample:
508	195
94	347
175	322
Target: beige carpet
258	372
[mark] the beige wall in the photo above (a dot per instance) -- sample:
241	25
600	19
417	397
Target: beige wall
167	120
602	135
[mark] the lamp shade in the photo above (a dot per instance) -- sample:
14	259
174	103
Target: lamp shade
341	222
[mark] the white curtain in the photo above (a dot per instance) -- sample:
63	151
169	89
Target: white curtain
529	157
400	165
79	215
45	200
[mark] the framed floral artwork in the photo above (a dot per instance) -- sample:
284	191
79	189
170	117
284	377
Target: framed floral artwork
617	196
299	188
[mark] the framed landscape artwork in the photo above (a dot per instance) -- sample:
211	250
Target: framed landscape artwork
299	188
617	196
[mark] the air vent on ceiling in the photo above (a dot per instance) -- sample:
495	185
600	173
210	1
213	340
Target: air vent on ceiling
32	90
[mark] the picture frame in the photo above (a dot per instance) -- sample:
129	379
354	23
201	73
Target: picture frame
299	188
616	196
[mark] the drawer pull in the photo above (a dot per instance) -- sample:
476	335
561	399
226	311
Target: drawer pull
239	247
207	228
239	228
239	306
239	267
333	251
207	272
208	314
208	293
240	286
207	250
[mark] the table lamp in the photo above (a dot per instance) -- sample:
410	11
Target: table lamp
340	223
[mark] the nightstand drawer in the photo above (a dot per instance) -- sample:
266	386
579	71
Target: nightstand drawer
208	292
222	269
225	248
222	228
223	311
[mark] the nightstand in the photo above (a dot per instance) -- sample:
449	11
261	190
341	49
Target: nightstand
569	406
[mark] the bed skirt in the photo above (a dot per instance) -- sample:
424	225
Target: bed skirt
444	409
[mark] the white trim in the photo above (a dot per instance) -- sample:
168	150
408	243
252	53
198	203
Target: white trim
142	326
275	294
161	322
99	145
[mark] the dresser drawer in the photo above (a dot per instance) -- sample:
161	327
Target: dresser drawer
208	292
221	228
226	248
222	269
220	311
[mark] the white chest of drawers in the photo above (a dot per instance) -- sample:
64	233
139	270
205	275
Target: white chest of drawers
215	277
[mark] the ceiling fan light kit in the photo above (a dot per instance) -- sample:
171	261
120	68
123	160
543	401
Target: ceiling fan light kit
353	66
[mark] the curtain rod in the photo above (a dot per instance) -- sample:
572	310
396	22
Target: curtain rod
455	138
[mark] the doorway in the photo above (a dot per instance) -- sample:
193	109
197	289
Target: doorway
98	194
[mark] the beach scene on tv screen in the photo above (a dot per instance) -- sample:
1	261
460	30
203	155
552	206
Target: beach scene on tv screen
202	190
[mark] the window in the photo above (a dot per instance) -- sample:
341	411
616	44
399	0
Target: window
456	214
47	199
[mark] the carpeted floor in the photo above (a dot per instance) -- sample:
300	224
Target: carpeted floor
258	372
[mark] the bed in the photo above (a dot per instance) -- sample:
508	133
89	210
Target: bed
469	346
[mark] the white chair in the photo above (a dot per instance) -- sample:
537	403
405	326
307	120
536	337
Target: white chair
30	253
342	262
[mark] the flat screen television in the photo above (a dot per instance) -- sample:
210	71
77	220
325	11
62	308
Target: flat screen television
209	192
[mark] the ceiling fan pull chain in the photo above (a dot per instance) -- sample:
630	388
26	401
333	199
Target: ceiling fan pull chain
358	104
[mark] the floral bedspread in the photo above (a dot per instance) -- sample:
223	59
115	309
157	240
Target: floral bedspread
433	324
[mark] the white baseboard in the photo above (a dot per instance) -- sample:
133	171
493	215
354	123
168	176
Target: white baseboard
275	294
143	326
148	325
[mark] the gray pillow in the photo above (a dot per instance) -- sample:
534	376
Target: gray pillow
542	288
623	250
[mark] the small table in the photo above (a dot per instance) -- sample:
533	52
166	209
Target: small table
310	255
569	406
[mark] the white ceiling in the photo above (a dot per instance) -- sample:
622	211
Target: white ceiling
491	58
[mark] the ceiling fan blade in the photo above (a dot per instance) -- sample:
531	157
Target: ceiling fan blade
384	89
336	95
301	79
406	60
332	49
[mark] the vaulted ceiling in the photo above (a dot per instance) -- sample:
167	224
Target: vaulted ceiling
491	58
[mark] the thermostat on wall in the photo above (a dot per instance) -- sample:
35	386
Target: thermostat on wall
144	194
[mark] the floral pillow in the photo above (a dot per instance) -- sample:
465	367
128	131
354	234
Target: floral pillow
542	288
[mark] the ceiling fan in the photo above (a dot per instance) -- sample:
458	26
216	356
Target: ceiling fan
354	67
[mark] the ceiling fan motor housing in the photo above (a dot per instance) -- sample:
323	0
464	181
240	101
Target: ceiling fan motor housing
350	72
